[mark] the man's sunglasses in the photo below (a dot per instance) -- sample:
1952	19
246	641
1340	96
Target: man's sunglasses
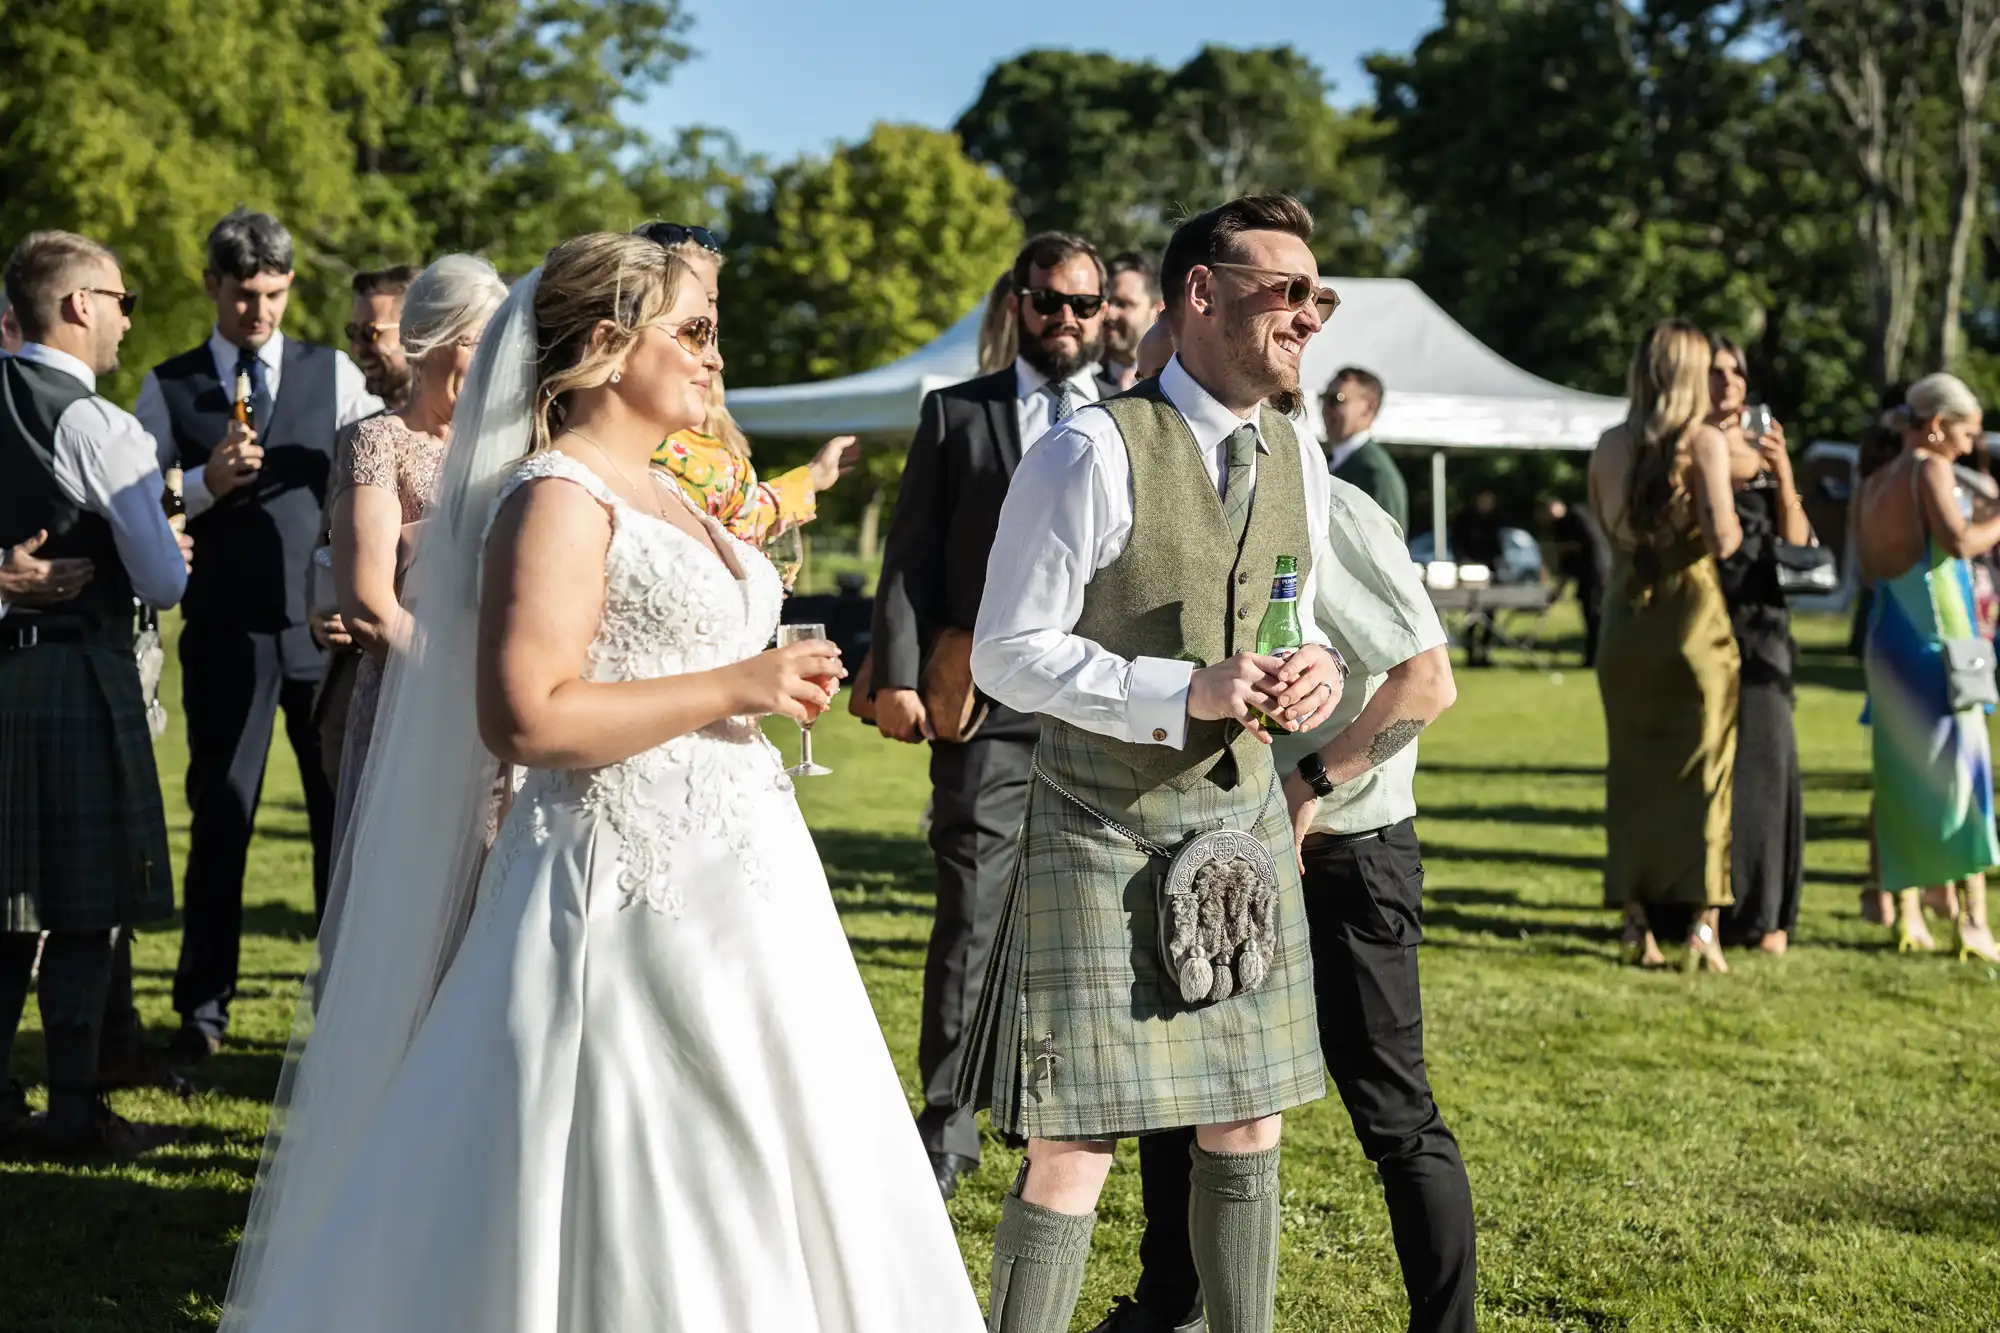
1047	302
1298	288
671	234
127	301
697	335
370	333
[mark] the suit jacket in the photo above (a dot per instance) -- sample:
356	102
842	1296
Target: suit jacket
967	444
1371	469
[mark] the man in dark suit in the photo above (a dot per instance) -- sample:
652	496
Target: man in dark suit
968	442
1352	400
253	501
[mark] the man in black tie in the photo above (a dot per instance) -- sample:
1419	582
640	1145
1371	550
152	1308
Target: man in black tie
968	442
1353	398
253	500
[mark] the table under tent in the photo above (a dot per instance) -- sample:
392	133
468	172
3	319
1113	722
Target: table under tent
1445	392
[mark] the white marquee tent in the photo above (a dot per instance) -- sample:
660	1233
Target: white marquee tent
1446	389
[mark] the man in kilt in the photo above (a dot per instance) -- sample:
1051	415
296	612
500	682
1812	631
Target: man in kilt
83	838
1132	568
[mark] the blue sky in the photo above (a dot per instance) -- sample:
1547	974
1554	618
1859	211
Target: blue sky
790	76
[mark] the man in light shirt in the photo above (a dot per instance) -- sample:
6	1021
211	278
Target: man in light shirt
83	836
253	500
1132	306
1132	567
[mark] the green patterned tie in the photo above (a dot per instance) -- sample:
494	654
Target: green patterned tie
1236	485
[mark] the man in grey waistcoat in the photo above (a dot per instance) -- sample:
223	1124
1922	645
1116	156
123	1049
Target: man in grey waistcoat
1132	568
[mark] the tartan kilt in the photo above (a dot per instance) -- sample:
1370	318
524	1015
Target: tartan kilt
1081	1033
83	835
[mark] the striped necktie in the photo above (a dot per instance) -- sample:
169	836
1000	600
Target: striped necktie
1236	484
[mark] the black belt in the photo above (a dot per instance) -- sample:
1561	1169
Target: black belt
14	637
1324	842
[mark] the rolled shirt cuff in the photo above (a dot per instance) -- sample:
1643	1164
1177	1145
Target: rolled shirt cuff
1156	704
194	492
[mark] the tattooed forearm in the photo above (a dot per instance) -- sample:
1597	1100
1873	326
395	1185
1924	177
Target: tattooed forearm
1391	739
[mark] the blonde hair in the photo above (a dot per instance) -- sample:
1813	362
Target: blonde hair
604	276
449	302
719	425
999	327
45	269
1668	389
1943	395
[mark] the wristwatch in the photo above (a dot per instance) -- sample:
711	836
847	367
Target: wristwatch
1313	769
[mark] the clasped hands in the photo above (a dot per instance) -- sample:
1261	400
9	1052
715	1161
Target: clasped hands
1299	692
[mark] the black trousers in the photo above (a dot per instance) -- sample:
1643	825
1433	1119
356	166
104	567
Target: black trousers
1364	903
979	795
1590	597
1768	838
233	683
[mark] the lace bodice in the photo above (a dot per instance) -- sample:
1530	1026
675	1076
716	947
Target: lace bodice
670	607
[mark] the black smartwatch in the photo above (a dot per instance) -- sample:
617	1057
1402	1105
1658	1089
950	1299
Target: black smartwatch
1313	769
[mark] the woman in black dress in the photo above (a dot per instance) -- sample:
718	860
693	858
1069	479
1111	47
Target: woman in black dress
1768	828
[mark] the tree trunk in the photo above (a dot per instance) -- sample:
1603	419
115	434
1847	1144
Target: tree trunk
1978	28
871	525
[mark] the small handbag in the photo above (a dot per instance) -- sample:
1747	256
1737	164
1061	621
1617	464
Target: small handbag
1806	571
951	700
1969	675
1217	904
322	598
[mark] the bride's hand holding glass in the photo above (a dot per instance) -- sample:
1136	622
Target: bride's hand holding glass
797	681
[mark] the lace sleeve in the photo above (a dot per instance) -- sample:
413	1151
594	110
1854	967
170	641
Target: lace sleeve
368	457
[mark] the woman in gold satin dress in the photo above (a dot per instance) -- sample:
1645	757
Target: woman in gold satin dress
1667	666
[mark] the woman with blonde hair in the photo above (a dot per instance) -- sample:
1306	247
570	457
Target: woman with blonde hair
1667	663
384	477
1927	694
587	1088
1000	326
711	460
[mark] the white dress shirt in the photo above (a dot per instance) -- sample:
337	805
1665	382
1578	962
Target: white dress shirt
1035	403
1381	619
1068	514
1338	454
105	463
352	402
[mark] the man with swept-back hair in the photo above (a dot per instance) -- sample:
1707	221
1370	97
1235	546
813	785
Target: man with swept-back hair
1131	569
375	331
1132	306
254	496
83	853
969	440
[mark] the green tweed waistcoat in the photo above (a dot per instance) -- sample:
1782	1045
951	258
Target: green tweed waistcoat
1182	588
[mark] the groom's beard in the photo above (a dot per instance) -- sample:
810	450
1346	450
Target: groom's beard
1058	365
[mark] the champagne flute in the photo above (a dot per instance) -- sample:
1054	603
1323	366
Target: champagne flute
806	768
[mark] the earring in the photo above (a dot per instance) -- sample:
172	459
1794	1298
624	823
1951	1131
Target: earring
617	375
1932	438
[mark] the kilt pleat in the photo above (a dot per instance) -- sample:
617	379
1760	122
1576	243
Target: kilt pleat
1081	1033
83	833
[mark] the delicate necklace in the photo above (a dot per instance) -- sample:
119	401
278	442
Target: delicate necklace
657	512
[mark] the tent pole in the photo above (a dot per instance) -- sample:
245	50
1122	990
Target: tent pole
1440	545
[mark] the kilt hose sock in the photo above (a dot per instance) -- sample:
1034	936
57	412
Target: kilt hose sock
17	963
1038	1259
1233	1231
75	978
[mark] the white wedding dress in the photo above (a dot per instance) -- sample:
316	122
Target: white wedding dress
650	1096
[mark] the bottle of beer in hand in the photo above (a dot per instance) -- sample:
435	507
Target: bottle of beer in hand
241	410
1279	633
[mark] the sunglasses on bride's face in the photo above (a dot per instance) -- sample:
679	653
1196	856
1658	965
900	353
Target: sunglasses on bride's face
696	335
1297	288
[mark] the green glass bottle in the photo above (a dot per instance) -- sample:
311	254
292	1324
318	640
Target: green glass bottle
1278	633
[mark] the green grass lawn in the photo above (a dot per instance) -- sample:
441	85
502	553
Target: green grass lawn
1808	1143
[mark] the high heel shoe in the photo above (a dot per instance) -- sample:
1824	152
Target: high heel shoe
1636	946
1704	951
1913	938
1975	942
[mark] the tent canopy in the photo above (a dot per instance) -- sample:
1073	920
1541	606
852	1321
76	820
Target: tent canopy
1445	389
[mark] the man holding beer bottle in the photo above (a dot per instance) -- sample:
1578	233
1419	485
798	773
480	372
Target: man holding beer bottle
250	415
1133	564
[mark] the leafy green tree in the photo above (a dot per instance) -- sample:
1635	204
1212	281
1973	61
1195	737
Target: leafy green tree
842	263
140	125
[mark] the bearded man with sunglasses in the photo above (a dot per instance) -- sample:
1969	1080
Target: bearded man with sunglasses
1131	568
970	439
254	498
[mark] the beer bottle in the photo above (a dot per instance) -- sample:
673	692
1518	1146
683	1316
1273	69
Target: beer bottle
174	501
241	410
1279	633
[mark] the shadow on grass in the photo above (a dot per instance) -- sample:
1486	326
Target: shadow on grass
1512	770
1510	899
1850	828
1838	781
1517	928
1555	815
883	870
139	1248
1829	671
1438	852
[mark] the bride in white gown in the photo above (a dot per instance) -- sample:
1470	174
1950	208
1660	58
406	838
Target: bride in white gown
632	1083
